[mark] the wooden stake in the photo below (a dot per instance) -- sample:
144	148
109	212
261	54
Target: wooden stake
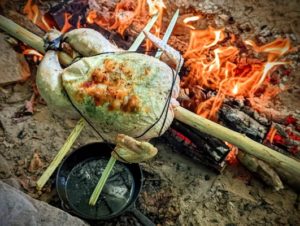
97	191
22	34
168	32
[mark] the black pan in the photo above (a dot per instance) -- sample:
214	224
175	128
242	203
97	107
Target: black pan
78	175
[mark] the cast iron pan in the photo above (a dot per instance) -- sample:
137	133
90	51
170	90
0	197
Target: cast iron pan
80	171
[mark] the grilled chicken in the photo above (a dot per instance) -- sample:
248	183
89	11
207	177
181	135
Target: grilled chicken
119	92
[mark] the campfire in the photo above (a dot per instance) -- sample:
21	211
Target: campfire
227	83
225	78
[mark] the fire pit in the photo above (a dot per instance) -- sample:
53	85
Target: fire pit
227	78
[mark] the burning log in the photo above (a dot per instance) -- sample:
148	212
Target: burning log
212	146
289	166
243	119
199	146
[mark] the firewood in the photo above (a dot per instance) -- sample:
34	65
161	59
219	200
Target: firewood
265	172
284	165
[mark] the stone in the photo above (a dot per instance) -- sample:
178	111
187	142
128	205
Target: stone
5	171
12	182
13	65
17	208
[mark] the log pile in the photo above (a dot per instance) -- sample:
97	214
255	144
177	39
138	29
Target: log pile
283	137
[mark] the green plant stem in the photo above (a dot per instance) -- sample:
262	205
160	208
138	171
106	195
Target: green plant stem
102	181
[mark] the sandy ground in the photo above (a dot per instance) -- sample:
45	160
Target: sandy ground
177	191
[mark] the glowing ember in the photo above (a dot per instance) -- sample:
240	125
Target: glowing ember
214	63
231	158
285	138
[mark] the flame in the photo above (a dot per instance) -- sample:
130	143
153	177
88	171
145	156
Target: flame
155	7
36	56
67	26
216	64
128	11
187	20
231	158
235	89
271	134
36	16
125	13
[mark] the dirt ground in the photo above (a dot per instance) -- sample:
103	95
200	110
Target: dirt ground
177	190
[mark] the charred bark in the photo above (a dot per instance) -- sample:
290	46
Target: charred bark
241	122
201	147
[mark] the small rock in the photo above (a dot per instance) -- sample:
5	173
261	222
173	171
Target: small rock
17	208
13	65
224	17
5	171
35	164
32	184
12	182
21	162
206	177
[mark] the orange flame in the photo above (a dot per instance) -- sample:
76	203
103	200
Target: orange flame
125	13
128	11
67	26
216	64
187	20
231	158
155	7
36	56
35	15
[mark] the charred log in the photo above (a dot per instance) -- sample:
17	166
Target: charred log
201	147
211	146
244	119
242	123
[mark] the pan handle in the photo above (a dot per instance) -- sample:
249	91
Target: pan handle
141	217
